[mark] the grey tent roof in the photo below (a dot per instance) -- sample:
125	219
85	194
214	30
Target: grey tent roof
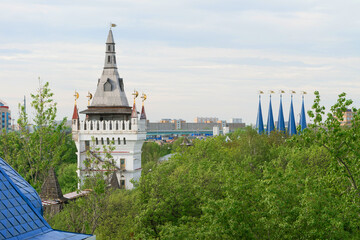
50	190
110	88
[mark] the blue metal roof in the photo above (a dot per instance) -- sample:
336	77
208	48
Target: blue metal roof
270	122
291	124
281	123
259	119
303	116
19	218
23	186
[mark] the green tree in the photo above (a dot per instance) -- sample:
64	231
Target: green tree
32	153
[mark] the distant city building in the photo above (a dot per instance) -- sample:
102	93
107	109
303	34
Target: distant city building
206	120
5	114
165	120
216	131
157	130
235	120
347	118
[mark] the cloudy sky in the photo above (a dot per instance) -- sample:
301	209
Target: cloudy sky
192	58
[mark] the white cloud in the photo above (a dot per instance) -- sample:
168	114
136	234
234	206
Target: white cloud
192	58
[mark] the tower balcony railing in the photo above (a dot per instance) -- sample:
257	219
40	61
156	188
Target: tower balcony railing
106	125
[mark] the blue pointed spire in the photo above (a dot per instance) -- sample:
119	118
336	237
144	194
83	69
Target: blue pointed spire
303	116
259	120
270	122
291	124
281	123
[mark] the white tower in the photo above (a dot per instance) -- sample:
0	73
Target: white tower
110	119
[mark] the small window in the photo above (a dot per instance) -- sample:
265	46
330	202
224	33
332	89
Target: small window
87	145
119	141
114	59
107	86
109	48
122	163
102	141
121	83
122	184
108	141
124	141
113	141
109	59
96	141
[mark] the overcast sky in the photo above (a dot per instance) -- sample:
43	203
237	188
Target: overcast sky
192	58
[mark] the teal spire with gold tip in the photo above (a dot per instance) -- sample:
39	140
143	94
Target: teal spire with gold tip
303	115
270	122
259	119
291	124
281	123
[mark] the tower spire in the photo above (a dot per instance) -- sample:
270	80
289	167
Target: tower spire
110	87
110	57
302	114
259	119
281	123
75	112
143	114
291	123
270	122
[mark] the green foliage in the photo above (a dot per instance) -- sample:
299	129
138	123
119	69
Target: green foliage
88	213
151	152
252	187
67	177
256	186
117	221
32	153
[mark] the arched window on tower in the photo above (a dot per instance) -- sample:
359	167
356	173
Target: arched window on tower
124	141
109	48
109	59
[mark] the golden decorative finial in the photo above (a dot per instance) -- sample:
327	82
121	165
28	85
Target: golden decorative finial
112	25
135	94
292	92
76	95
303	92
143	96
281	91
260	92
89	96
271	91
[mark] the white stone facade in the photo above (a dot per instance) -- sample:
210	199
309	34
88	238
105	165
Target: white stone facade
127	137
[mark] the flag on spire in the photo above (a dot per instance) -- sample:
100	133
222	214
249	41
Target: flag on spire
291	124
259	120
281	123
270	122
303	116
